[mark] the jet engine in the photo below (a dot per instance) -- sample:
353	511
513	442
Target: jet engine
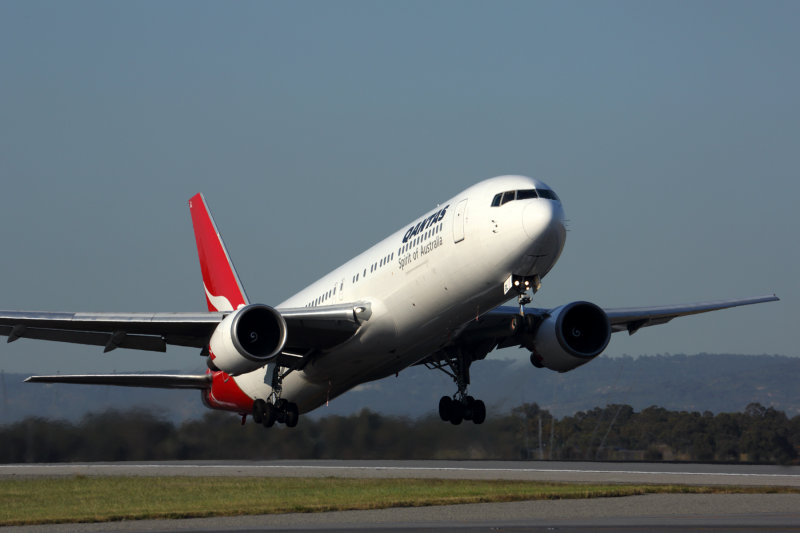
247	339
572	335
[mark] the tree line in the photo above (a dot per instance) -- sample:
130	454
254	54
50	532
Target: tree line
616	432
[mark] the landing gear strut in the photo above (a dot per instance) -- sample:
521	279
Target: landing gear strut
460	406
276	409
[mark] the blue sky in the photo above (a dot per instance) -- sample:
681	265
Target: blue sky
670	131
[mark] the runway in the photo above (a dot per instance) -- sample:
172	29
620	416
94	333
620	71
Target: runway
667	512
571	472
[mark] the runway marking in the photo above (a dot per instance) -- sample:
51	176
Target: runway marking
393	468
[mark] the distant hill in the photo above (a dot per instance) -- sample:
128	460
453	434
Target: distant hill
705	382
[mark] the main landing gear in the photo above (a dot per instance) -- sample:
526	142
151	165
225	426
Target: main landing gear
276	409
466	408
280	411
457	360
460	406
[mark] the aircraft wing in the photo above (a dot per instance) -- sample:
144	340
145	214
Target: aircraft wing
632	318
308	327
155	381
499	328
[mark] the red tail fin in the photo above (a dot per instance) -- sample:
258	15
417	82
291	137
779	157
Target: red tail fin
224	291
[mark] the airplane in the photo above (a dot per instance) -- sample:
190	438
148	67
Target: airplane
429	294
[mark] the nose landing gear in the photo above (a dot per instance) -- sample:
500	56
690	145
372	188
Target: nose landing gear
521	285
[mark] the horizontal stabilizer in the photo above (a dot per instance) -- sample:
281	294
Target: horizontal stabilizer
155	381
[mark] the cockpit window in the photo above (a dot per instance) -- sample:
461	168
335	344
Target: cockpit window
524	194
508	196
550	195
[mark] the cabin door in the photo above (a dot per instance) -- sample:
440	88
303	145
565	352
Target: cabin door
458	221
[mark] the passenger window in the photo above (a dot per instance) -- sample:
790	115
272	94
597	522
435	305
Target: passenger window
508	197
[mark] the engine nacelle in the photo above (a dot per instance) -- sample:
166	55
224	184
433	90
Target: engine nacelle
247	339
572	335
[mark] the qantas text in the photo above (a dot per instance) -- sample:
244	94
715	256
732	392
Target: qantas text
424	224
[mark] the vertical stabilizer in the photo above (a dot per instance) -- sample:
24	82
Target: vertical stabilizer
224	291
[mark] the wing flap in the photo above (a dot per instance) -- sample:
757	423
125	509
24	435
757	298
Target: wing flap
153	381
109	340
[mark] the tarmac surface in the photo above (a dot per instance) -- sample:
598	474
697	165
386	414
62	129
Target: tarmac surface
583	472
666	512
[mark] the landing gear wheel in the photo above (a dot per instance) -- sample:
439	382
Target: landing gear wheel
259	407
467	407
270	415
445	408
292	415
478	411
456	413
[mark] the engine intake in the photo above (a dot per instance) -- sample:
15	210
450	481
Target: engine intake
572	335
247	339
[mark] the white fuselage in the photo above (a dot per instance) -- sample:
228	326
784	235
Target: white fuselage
424	285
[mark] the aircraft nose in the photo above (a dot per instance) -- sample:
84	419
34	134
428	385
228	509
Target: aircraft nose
544	219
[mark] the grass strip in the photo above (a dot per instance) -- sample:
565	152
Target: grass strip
103	499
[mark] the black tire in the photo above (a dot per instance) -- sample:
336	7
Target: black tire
292	415
445	407
270	415
456	413
259	407
478	411
468	407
